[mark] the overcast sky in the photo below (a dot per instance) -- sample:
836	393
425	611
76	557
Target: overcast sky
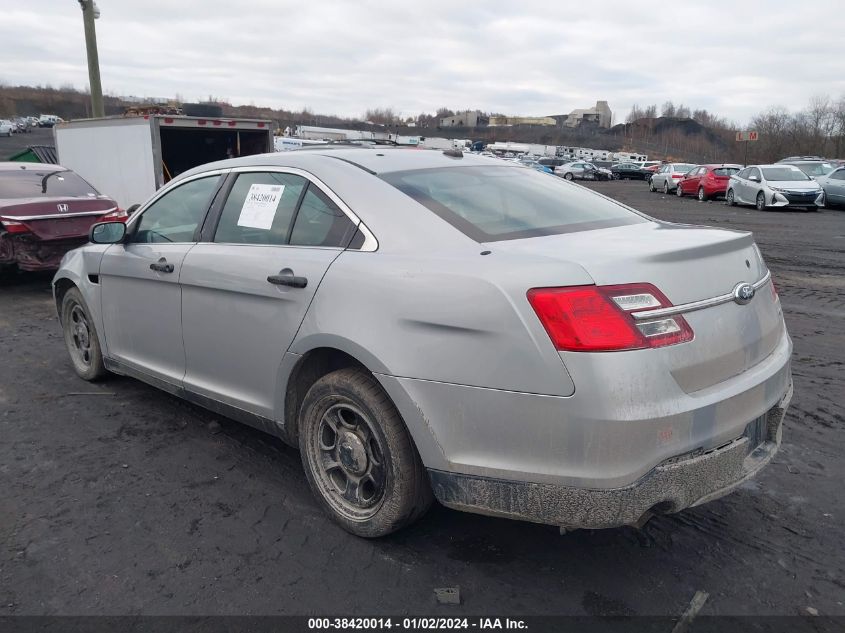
529	58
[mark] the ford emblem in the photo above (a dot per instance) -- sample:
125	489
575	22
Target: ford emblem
743	293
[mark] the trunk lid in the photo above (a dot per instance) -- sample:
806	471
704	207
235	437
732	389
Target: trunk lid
55	218
688	264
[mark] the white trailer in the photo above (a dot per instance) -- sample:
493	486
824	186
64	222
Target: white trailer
129	158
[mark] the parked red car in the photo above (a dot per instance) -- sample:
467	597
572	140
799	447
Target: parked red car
707	181
45	211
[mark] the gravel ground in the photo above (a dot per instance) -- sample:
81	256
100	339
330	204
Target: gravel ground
128	501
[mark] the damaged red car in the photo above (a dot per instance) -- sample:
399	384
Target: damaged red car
45	211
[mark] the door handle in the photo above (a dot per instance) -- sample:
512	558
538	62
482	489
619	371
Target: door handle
161	266
287	278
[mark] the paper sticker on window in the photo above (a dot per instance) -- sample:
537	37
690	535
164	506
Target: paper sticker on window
260	206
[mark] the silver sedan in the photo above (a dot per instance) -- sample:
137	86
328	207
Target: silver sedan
427	324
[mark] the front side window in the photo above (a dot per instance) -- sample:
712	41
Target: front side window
839	174
754	173
260	208
176	215
491	203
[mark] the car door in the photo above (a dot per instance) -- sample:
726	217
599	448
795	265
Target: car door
740	184
139	280
660	177
752	186
692	179
834	186
247	285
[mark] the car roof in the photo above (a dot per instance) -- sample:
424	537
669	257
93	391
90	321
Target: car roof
14	166
717	165
376	160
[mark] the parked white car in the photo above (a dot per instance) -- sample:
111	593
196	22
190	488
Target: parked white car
666	178
771	186
7	128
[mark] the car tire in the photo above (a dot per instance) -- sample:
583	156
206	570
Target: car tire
729	198
359	459
760	202
666	187
679	191
651	186
568	175
702	195
80	336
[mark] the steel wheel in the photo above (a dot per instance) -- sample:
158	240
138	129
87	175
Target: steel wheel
729	198
568	175
351	461
678	191
651	185
761	202
701	195
80	336
666	187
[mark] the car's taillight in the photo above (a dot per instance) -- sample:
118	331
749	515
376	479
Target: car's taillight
120	214
13	226
599	318
678	175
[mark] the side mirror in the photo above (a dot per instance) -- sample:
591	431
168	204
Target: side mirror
107	233
754	178
132	209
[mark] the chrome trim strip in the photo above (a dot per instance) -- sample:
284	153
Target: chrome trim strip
53	216
696	305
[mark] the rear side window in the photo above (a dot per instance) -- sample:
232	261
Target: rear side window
682	168
838	174
260	209
319	222
490	203
35	183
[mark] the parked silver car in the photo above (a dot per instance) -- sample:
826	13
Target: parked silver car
582	170
833	184
772	186
428	324
666	178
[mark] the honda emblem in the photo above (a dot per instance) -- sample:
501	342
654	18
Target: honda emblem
63	208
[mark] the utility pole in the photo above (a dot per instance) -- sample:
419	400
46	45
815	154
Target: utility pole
90	12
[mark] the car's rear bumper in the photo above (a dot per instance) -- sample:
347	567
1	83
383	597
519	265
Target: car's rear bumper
677	483
32	254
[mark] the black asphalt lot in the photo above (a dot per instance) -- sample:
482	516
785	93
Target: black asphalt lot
125	500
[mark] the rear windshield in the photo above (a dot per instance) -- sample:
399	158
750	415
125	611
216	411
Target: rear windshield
33	183
815	169
683	168
726	171
491	203
784	173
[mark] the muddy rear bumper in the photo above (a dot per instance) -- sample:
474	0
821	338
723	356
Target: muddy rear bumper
681	482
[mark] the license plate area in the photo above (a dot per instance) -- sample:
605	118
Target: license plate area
756	433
